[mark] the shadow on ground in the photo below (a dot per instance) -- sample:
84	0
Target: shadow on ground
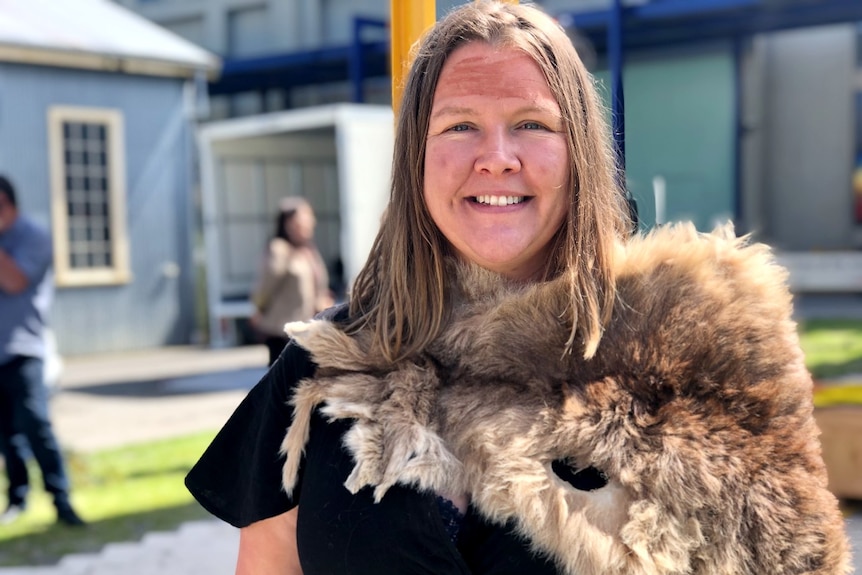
233	380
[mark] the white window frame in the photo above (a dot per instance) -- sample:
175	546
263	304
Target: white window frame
118	271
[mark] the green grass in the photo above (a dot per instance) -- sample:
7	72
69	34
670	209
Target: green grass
122	493
832	347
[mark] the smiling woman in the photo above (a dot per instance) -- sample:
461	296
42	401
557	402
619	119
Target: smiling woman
518	386
503	162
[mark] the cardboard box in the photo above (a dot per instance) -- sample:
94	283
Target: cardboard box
841	427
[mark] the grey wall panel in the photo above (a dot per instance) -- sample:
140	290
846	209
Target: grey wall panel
809	117
155	308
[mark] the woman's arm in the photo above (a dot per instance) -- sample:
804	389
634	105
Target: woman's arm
268	547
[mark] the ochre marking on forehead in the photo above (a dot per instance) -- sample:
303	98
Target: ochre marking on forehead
482	76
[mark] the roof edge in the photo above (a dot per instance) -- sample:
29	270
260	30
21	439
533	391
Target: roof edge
104	62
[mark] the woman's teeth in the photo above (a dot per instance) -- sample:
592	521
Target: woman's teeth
499	200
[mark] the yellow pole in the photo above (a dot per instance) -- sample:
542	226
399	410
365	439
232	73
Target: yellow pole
408	20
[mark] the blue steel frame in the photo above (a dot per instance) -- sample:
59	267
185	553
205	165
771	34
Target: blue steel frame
354	62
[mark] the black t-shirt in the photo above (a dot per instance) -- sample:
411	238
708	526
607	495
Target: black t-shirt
238	479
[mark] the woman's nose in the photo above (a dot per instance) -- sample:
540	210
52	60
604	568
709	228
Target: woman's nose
498	153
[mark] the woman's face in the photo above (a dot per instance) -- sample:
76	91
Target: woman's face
300	228
496	163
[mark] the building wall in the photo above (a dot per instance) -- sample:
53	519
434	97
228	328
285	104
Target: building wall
679	106
242	28
809	121
156	307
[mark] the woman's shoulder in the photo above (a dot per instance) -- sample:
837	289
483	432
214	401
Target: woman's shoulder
295	362
337	313
279	246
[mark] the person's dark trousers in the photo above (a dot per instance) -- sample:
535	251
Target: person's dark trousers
24	419
14	450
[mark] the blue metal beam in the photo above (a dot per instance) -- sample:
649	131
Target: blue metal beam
739	214
618	110
301	68
356	61
668	22
671	9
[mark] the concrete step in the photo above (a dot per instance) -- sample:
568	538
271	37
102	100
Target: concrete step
197	548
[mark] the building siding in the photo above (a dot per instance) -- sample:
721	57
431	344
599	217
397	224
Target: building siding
156	307
810	120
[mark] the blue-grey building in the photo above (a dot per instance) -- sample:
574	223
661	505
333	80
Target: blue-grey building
97	107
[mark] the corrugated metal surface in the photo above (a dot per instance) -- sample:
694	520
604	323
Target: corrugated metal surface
94	27
155	308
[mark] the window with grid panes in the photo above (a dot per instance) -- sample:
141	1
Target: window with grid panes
88	196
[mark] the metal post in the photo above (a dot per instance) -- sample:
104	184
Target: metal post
409	20
615	55
355	64
618	108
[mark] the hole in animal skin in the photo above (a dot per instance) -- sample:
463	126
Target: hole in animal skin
588	479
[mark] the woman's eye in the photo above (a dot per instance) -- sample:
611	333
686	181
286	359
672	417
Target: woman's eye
532	126
459	128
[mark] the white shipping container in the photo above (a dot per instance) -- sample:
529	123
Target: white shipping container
338	157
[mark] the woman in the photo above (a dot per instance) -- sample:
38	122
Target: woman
502	159
293	283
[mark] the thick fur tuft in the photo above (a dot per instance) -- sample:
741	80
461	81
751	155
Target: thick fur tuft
696	406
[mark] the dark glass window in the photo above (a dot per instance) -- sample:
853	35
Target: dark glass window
88	203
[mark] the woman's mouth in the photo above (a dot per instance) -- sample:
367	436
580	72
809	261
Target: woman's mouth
498	200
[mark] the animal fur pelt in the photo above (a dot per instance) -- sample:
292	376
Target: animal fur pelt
696	407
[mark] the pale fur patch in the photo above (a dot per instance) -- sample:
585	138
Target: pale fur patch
393	439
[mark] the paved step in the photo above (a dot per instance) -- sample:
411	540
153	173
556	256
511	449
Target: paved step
196	548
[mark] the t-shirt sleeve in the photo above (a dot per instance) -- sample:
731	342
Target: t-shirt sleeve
238	478
34	256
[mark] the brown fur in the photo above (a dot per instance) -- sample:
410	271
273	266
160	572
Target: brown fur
696	406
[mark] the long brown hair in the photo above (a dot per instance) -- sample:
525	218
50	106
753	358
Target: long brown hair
400	293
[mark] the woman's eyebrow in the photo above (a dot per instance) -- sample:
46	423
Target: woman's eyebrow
453	111
466	111
539	109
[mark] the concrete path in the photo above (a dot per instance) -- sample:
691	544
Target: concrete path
854	531
197	548
118	399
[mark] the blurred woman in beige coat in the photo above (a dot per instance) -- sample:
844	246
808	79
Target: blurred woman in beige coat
293	283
